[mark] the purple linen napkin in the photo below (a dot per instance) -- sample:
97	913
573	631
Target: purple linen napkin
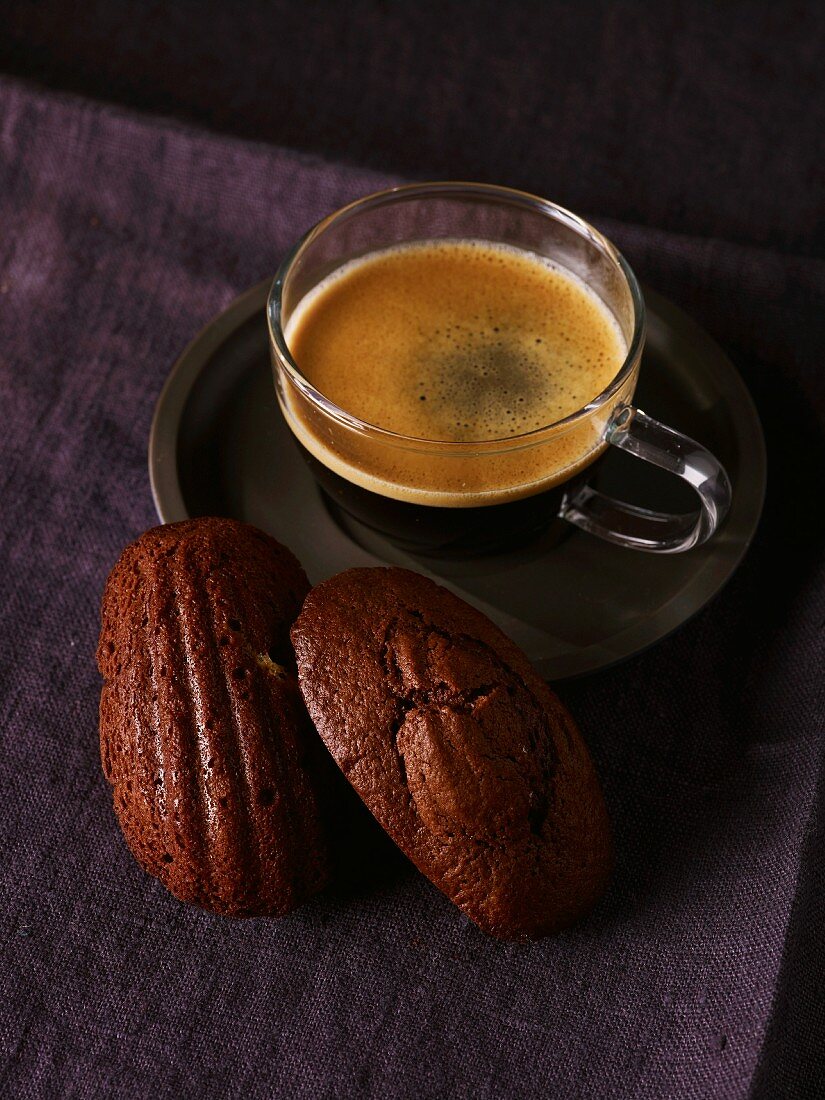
695	978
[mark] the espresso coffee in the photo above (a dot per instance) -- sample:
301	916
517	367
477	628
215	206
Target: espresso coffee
454	342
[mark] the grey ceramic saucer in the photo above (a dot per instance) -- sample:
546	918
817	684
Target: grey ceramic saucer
219	446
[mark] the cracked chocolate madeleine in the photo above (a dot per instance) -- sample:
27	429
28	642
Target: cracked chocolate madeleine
203	733
457	746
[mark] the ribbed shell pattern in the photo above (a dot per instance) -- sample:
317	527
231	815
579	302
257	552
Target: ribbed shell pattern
217	781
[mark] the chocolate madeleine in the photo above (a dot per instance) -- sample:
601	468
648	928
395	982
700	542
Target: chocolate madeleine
456	745
203	734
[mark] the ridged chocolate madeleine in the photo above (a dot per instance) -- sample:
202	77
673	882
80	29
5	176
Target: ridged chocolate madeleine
203	734
459	749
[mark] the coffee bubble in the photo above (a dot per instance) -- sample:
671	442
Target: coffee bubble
455	341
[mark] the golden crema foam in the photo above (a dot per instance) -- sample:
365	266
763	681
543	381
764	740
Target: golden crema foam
453	340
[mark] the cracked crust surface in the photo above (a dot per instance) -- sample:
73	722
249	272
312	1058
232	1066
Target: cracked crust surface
458	748
203	734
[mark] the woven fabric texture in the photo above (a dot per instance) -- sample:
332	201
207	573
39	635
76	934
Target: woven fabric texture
700	975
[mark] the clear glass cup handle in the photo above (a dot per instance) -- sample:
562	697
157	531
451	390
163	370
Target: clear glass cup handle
642	529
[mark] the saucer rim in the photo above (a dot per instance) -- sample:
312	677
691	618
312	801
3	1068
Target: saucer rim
728	547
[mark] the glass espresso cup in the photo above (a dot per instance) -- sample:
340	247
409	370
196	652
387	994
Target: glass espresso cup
442	497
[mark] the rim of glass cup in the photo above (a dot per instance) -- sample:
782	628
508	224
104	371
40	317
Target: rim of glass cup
523	198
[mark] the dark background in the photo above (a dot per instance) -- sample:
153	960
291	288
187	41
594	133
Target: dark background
703	122
699	118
